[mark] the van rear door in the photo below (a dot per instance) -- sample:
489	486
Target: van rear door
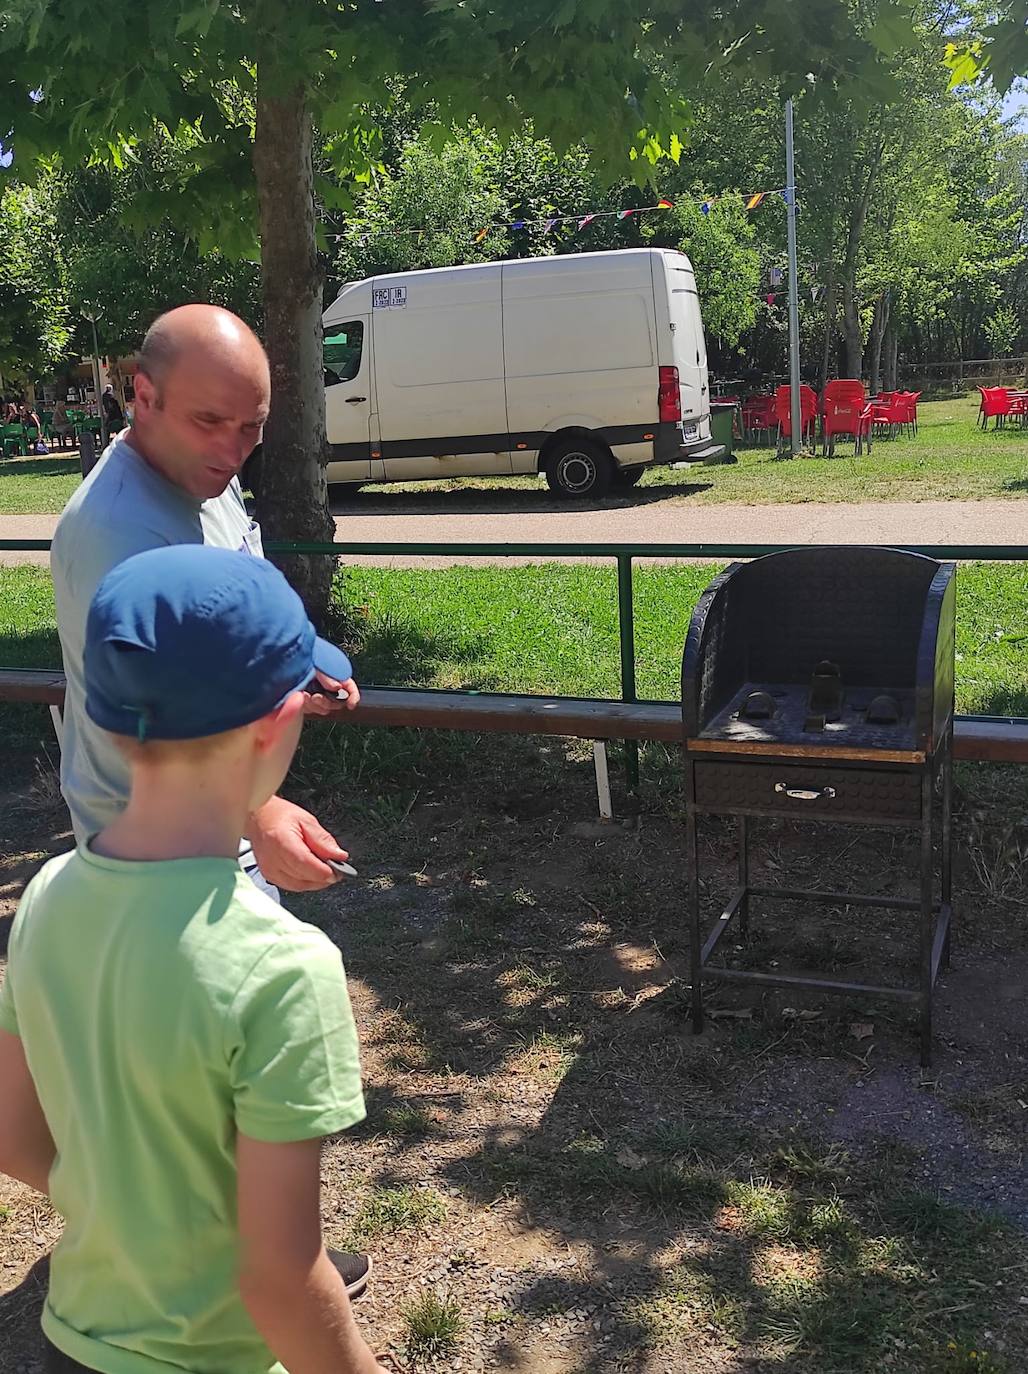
688	347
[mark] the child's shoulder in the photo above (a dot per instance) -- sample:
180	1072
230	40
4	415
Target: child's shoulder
264	942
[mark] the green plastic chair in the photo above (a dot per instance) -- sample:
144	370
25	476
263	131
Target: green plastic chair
13	438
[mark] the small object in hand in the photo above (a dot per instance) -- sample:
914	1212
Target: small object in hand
344	870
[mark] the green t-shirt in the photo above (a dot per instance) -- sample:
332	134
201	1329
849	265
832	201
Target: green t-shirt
161	1006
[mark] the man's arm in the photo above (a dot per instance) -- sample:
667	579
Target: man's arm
26	1146
296	1298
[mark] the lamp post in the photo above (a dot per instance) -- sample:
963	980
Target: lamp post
794	306
90	313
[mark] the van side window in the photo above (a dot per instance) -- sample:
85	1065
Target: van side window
343	349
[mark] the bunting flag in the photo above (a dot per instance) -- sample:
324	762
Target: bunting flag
776	276
815	292
547	225
786	195
770	298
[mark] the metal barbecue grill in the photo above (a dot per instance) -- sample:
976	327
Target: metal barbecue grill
817	684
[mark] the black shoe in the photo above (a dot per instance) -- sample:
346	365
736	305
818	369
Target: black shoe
353	1270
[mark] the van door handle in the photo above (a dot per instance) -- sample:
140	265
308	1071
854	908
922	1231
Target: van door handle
355	400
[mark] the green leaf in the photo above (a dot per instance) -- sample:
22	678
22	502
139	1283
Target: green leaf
965	64
191	19
892	30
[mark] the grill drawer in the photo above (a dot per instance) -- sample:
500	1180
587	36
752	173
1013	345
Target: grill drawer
872	795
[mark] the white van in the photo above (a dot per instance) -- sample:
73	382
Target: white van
588	368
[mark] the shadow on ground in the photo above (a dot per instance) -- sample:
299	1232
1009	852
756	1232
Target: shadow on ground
497	499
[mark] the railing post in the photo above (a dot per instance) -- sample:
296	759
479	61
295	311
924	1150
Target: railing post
626	634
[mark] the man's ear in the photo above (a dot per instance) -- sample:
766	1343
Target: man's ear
271	728
146	392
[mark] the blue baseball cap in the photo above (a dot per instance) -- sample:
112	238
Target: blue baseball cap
189	641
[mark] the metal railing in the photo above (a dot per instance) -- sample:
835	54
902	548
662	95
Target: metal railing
625	555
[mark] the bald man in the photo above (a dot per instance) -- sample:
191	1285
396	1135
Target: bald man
202	393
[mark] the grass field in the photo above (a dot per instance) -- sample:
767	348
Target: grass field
951	459
553	628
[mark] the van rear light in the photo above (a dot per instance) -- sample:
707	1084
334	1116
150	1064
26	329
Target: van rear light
669	396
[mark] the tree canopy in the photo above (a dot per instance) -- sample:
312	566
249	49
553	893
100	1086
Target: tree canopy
241	88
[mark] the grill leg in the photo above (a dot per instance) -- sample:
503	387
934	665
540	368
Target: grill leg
692	859
947	844
744	876
927	865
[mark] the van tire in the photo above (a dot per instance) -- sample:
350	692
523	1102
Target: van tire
627	477
577	466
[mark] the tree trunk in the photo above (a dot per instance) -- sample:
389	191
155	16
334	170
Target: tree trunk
293	501
878	327
851	328
826	352
891	355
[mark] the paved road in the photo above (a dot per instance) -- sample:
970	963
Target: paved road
524	516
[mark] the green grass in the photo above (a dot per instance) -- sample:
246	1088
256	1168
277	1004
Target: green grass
950	459
38	486
398	1209
548	628
553	628
433	1325
813	1261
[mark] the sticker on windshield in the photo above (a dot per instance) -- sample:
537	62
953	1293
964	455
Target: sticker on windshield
389	297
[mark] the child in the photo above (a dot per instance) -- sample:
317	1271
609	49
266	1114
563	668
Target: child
173	1044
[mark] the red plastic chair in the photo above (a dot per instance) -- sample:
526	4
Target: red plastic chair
783	413
845	410
887	414
758	416
908	401
996	402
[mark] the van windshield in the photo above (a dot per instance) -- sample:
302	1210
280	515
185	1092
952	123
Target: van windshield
343	349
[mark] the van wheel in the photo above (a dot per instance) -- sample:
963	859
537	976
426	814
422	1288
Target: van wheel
579	467
627	477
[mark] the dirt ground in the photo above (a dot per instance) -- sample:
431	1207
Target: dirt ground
575	1180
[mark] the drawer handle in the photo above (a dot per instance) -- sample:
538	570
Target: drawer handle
804	793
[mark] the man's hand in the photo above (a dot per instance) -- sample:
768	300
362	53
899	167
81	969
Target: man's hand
289	845
318	705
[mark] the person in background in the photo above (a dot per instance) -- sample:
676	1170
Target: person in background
113	413
61	423
28	418
173	1044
